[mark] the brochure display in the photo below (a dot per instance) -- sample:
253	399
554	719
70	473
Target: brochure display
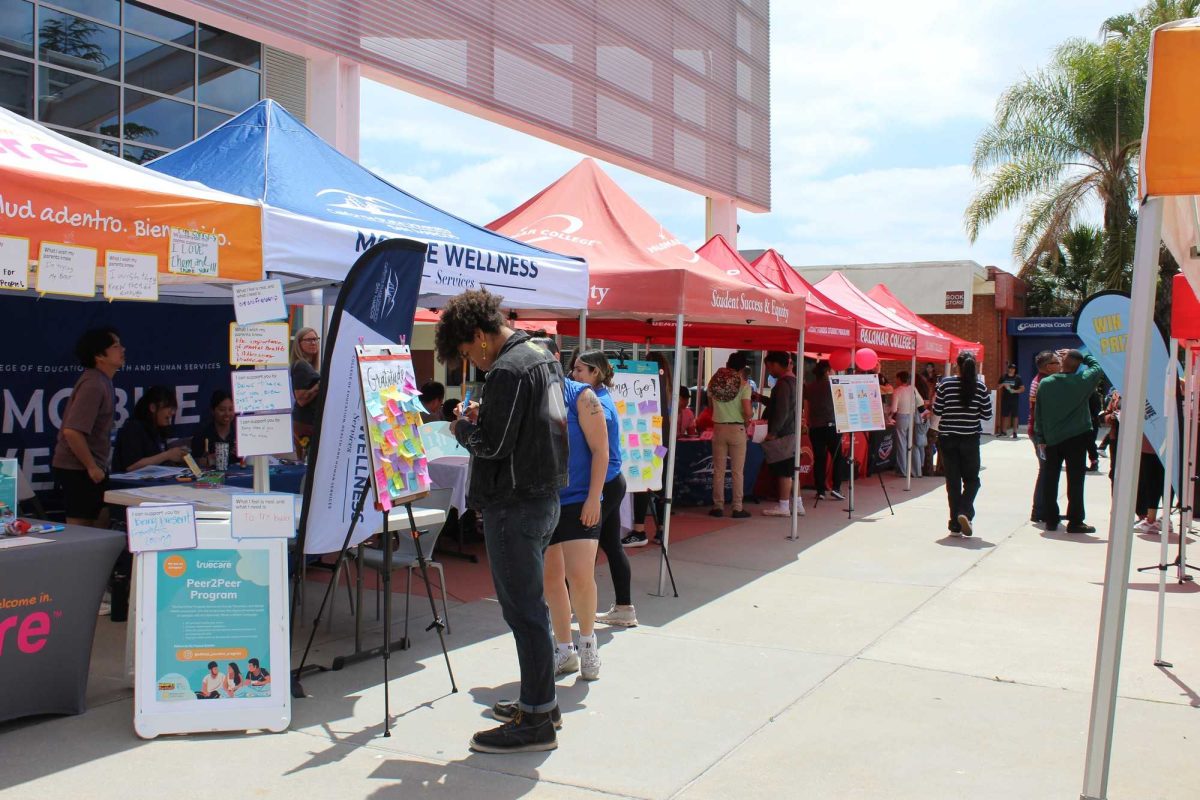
212	632
637	394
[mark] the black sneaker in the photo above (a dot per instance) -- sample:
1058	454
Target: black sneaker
505	710
634	539
1080	527
716	512
741	513
524	733
954	528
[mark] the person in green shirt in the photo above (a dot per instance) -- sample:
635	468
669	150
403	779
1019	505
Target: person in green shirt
1062	428
730	397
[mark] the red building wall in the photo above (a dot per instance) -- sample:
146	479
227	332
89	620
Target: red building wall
988	321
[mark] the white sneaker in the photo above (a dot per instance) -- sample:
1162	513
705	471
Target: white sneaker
619	617
1143	526
837	495
565	662
776	511
799	507
589	661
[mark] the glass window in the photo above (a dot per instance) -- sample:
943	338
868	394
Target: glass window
160	24
107	10
140	155
75	101
230	46
161	67
207	120
226	86
78	43
105	145
156	120
16	27
16	86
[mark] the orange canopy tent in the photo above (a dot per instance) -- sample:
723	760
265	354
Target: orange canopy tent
824	329
884	297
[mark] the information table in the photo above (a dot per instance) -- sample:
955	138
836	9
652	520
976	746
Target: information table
694	472
284	478
49	596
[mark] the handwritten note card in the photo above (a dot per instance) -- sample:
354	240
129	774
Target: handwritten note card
130	276
263	344
66	269
165	527
262	390
393	405
14	263
263	516
635	393
193	252
261	301
264	435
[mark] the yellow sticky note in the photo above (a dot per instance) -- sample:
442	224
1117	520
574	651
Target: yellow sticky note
658	422
657	439
620	406
647	473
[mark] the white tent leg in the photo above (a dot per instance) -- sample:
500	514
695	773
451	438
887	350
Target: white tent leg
1120	538
669	478
911	433
582	330
1165	532
1187	488
799	425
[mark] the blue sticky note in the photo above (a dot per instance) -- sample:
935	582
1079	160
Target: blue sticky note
627	425
641	425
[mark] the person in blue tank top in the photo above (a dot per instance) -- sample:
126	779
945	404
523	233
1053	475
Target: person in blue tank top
571	556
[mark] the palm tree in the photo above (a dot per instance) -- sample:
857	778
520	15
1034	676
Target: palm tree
1066	276
1065	143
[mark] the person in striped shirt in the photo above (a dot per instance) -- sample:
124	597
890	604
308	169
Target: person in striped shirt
962	401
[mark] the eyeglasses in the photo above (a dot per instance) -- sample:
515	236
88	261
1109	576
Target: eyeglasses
310	340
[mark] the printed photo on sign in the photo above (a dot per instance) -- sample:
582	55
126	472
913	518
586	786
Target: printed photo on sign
14	263
66	269
130	276
263	344
261	301
160	527
193	252
262	390
264	435
213	627
263	516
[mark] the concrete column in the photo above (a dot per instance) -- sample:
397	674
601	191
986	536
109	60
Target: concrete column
333	93
720	216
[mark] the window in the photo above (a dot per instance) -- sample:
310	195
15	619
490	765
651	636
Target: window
16	27
155	120
77	43
206	120
226	86
230	47
75	101
16	86
160	67
140	155
106	10
110	146
160	24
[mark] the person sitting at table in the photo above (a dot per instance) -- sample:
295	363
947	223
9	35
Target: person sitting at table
433	394
142	440
687	420
450	409
233	679
212	685
219	430
306	385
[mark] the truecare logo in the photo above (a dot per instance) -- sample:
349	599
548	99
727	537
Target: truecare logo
28	632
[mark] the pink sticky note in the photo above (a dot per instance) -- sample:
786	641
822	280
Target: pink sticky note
395	409
633	440
380	477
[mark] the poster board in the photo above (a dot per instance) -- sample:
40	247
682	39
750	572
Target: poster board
857	404
392	405
9	470
638	398
223	602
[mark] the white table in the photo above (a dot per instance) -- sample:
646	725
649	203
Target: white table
450	472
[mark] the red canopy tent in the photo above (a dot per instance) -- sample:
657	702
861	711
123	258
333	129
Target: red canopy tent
884	297
887	336
772	266
549	326
647	286
824	328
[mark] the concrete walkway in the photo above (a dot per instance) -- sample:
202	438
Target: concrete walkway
878	658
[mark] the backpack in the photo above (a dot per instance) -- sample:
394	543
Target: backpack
724	385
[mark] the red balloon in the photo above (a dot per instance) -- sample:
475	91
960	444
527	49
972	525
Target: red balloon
866	359
839	360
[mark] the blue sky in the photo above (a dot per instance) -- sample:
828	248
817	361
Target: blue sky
872	131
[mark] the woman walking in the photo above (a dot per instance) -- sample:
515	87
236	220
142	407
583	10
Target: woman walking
962	402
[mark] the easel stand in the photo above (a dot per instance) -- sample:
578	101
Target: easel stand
663	511
853	469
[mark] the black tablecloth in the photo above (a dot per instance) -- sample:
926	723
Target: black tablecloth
694	472
284	478
49	597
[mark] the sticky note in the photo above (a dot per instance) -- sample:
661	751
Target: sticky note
657	462
651	406
627	424
647	454
658	421
620	404
660	451
380	477
634	472
636	455
647	473
633	440
657	437
642	426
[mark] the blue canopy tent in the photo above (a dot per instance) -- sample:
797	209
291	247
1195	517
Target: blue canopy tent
322	210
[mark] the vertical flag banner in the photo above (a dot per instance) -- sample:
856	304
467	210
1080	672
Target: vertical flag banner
375	306
1102	324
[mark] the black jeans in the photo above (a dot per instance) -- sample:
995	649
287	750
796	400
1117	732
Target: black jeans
1093	449
517	535
1037	514
1072	452
825	441
960	461
610	539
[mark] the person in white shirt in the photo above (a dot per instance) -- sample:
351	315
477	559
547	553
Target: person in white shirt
906	402
213	684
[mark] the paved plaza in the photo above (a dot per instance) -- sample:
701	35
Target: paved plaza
874	658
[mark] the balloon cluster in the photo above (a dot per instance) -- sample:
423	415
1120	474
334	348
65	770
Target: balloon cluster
864	358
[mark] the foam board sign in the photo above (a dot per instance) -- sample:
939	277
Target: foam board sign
264	435
130	276
263	344
261	301
264	516
262	390
193	252
66	269
161	527
14	263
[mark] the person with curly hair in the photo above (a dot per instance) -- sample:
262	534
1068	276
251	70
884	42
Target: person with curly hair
730	396
517	437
